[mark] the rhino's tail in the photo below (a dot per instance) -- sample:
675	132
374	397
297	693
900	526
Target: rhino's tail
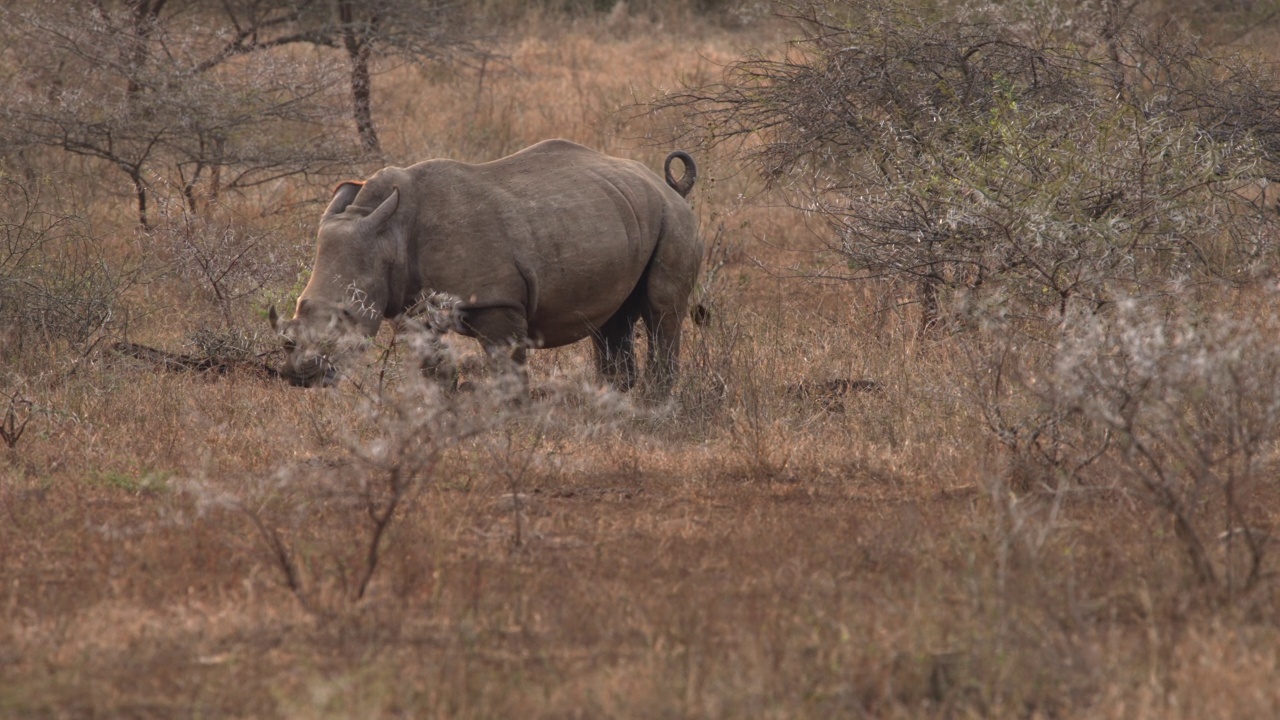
685	183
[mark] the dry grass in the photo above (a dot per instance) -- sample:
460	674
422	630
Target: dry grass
749	552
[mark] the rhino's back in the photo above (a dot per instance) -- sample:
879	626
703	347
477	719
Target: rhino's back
563	177
557	228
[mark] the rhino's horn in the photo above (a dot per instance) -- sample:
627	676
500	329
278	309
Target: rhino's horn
342	197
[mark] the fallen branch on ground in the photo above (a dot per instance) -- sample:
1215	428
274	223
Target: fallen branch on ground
175	362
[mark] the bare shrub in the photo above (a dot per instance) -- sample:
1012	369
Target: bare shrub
56	285
326	524
1028	155
1219	22
709	367
1175	405
418	31
226	259
16	417
132	85
1191	402
1033	170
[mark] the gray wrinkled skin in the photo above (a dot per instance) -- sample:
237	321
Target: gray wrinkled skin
546	247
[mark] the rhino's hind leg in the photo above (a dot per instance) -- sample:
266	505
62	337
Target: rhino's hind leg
663	326
668	285
615	348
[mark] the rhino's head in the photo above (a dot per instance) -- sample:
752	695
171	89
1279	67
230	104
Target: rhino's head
343	302
317	341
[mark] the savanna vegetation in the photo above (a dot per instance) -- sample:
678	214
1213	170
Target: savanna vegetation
982	422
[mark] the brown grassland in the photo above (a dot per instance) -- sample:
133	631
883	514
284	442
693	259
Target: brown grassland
198	544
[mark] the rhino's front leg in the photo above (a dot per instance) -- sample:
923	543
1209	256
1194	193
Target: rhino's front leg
503	332
438	365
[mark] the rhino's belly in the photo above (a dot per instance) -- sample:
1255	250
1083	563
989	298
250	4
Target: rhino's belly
552	337
551	331
562	319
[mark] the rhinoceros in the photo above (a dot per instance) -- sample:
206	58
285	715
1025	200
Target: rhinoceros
545	247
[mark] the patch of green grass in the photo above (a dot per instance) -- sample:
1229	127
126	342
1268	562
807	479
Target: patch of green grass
151	482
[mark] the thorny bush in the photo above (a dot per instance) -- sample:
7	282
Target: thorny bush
1178	407
326	523
1073	189
1191	404
1025	156
56	286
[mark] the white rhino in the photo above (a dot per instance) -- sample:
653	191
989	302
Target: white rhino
545	247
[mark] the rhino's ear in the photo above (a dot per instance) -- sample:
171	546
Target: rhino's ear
274	318
342	197
383	213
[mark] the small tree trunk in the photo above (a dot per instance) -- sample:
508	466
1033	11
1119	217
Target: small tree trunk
215	173
189	188
145	15
362	107
140	190
359	48
930	313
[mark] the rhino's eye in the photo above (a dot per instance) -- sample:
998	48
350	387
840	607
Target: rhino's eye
289	345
